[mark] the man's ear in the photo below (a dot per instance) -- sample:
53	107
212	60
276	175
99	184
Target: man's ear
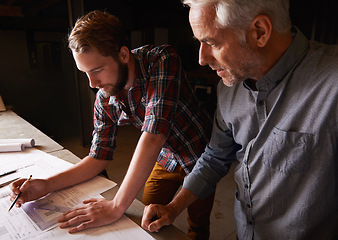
261	28
124	54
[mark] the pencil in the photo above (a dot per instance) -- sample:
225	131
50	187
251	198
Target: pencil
17	197
8	182
7	173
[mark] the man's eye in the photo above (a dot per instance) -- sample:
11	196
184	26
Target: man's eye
98	70
211	44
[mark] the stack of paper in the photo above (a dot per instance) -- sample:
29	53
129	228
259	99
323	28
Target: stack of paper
37	219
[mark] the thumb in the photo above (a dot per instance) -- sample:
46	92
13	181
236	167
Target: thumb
157	224
15	186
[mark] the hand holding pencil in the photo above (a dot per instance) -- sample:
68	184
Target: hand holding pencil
25	190
17	196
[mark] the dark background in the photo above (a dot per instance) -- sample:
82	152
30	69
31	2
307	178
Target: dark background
38	78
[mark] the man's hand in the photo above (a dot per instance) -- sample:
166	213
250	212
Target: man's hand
95	213
156	216
30	190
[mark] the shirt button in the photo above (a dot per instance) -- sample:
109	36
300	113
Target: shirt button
246	186
249	222
248	205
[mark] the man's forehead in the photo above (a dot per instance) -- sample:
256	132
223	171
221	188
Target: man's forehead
198	13
202	21
88	61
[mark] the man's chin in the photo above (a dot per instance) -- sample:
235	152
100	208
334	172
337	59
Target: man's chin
228	82
110	93
106	94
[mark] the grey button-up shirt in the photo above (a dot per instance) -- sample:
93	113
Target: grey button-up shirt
284	138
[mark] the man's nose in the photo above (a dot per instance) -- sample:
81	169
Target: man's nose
204	54
93	82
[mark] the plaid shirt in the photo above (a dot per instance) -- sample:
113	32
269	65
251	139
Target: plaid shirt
161	101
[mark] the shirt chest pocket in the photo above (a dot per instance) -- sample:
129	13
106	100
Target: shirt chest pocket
288	152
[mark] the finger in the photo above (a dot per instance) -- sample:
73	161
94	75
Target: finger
148	216
156	225
76	220
14	187
19	202
71	214
153	227
73	210
81	227
154	218
90	200
12	196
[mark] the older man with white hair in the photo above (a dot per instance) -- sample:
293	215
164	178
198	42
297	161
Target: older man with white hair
276	118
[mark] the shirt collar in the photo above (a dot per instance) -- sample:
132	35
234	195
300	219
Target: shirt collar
293	54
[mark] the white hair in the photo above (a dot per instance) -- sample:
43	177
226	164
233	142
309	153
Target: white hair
238	14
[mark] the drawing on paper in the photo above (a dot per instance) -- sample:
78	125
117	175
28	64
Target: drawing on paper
44	212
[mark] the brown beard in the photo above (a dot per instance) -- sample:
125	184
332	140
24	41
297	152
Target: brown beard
122	80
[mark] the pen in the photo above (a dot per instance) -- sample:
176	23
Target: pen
17	197
14	171
7	173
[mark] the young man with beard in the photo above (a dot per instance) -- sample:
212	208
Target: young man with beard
145	87
276	119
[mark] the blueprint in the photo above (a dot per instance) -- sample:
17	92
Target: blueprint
38	219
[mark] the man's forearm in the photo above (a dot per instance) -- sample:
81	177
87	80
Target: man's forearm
80	172
182	200
141	165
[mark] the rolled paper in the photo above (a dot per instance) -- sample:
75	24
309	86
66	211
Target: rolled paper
12	147
27	142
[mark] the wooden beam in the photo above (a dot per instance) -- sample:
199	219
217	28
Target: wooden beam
10	11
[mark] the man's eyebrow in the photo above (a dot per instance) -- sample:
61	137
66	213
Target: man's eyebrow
95	69
203	40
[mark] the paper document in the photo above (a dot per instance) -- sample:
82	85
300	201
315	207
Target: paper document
44	214
45	211
38	219
123	229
